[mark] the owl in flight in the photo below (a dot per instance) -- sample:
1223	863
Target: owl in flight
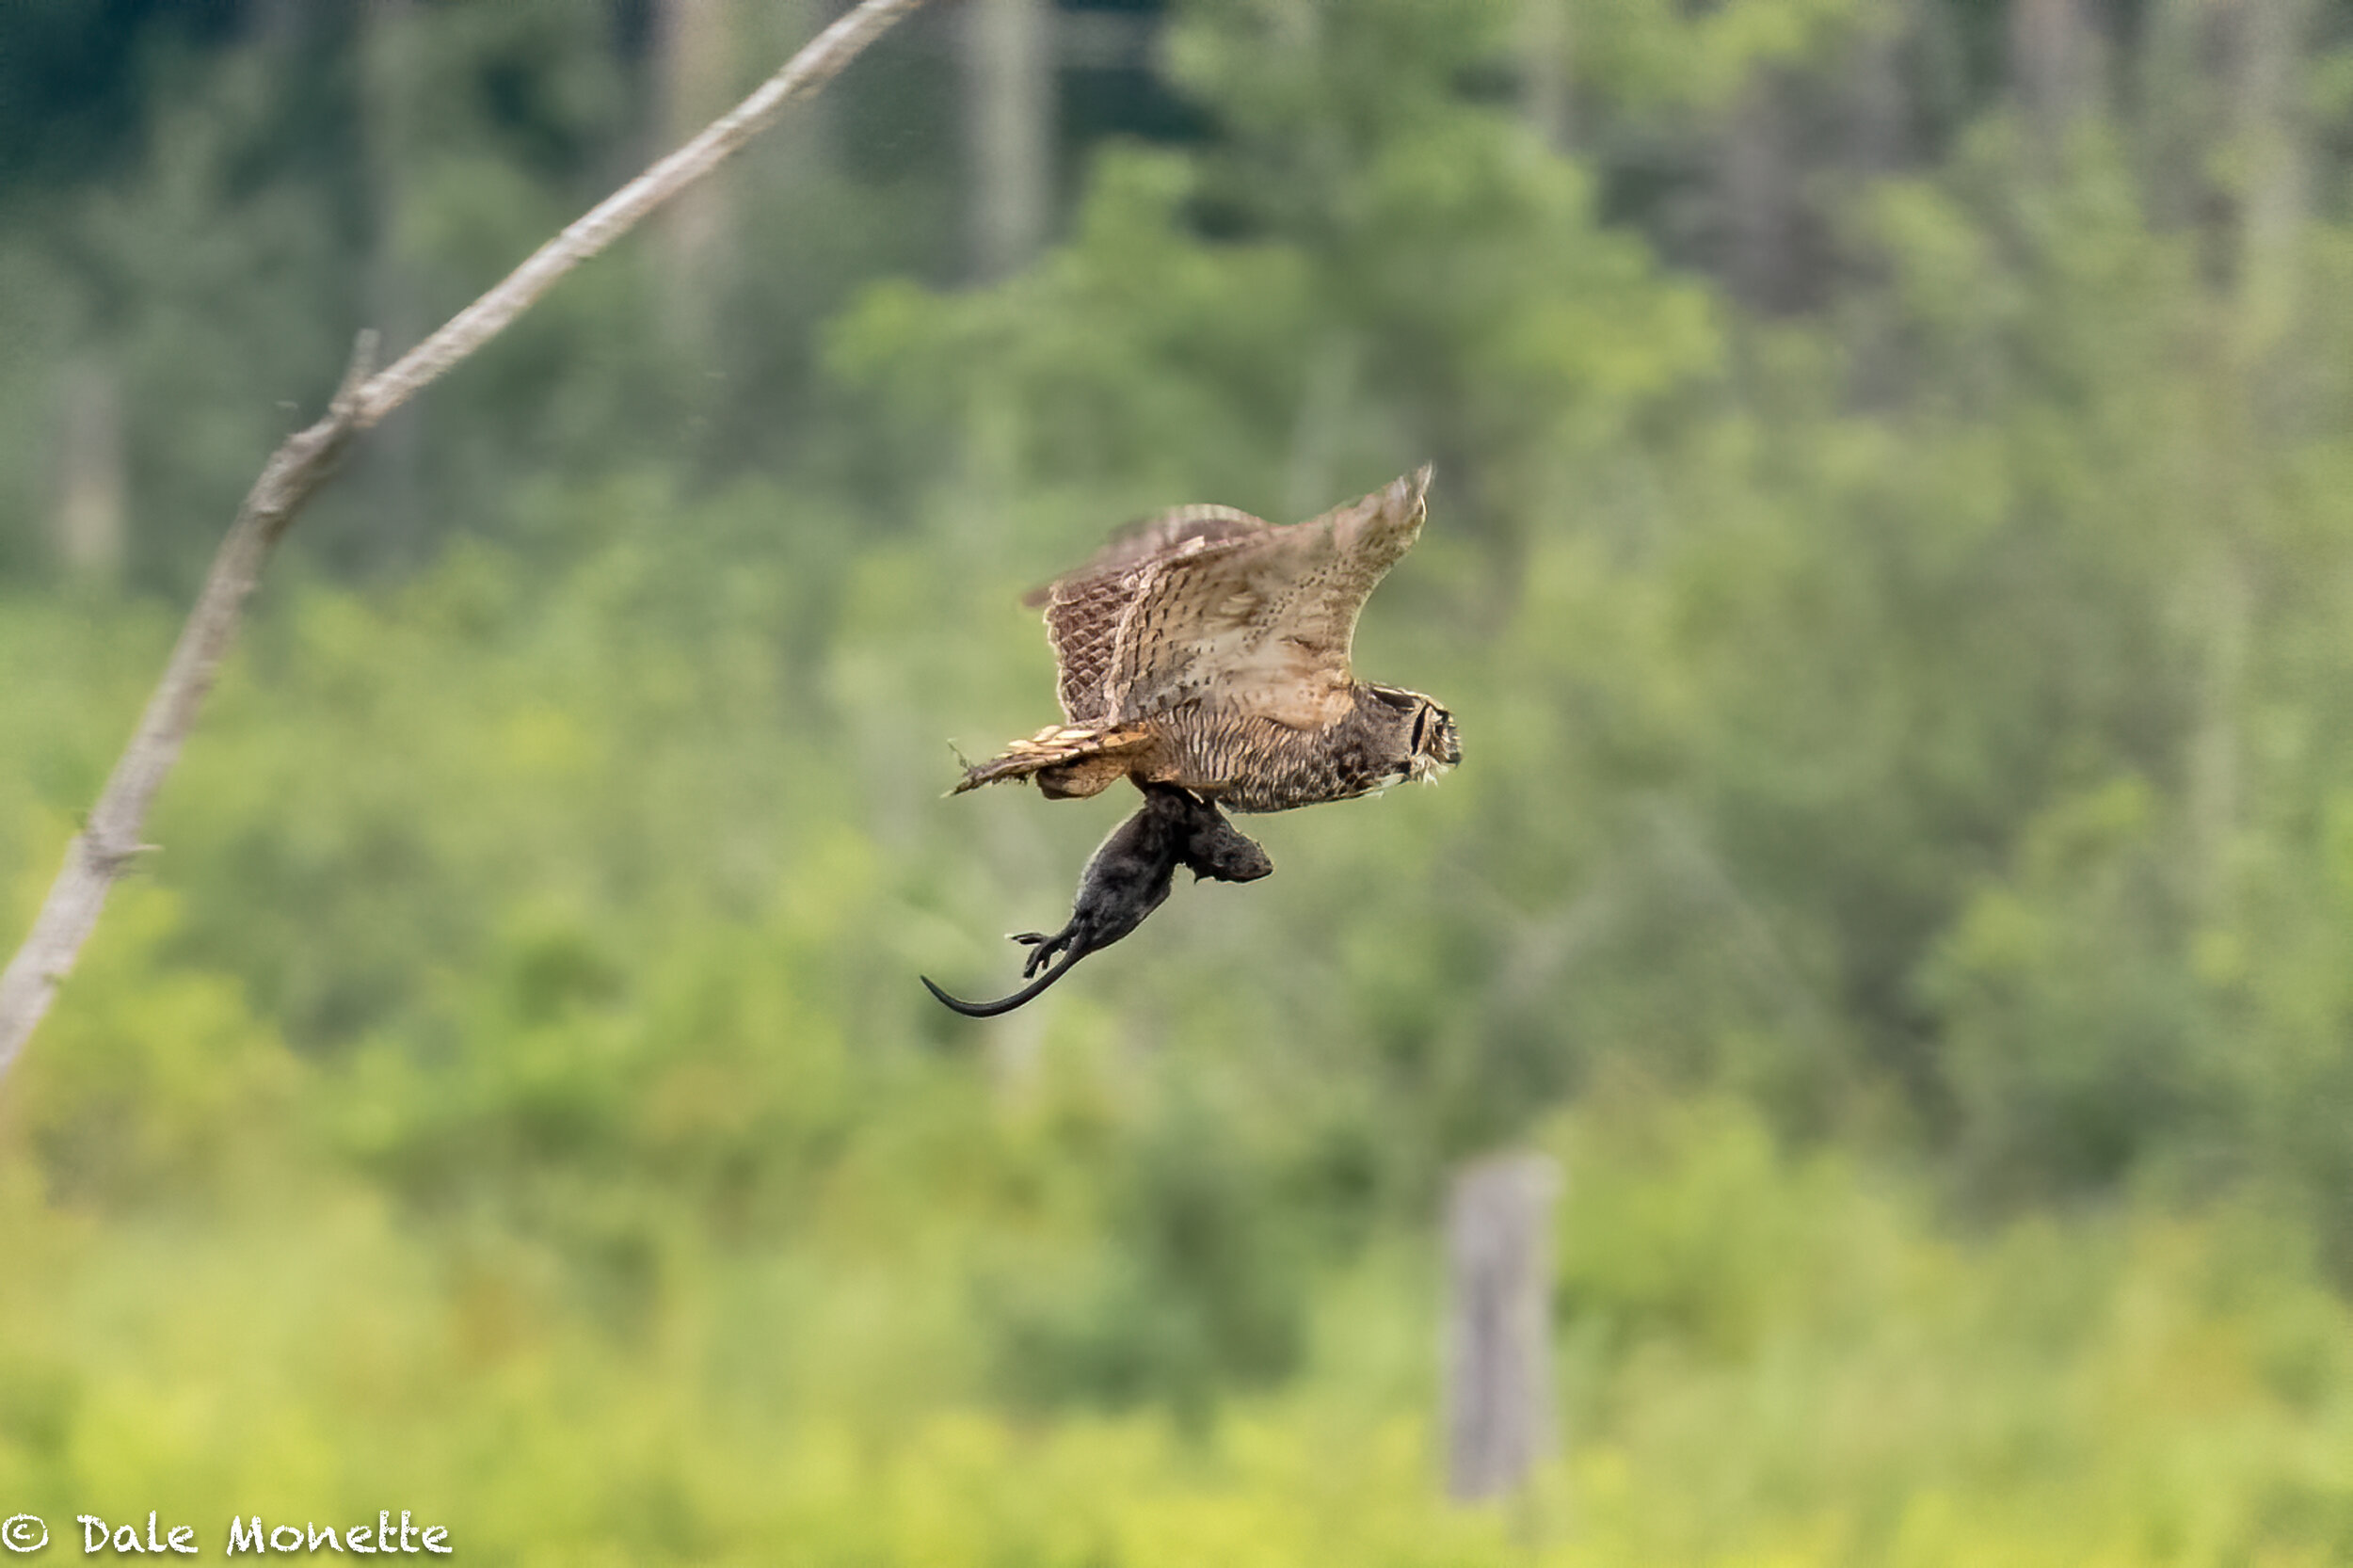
1203	654
1207	648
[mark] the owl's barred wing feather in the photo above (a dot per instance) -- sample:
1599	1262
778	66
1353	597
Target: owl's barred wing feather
1085	609
1210	604
1057	745
1155	535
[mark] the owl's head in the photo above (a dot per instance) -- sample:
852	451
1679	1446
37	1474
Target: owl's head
1429	743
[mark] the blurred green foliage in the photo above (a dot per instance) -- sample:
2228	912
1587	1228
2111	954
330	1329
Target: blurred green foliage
1904	864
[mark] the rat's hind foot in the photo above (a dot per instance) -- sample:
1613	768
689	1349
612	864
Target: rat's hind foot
1044	948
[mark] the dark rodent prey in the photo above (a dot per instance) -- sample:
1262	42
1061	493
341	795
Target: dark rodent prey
1130	878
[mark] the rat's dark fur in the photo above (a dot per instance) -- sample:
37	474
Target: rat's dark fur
1128	878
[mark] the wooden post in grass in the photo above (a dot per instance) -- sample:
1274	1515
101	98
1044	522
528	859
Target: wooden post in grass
1499	1323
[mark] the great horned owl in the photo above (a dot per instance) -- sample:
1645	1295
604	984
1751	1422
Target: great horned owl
1208	649
1130	878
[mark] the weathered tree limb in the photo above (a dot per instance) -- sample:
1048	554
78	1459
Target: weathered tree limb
111	837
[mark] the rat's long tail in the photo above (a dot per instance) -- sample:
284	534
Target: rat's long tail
1006	1004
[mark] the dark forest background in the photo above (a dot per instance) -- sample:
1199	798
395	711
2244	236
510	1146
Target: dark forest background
1889	558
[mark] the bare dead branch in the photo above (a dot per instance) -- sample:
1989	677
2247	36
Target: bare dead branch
111	837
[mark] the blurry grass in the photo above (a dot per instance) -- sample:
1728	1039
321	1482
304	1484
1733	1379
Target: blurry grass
616	1221
1767	1357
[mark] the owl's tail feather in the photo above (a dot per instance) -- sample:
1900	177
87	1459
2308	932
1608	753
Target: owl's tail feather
1067	759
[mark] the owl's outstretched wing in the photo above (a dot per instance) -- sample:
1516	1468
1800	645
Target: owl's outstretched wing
1087	609
1213	605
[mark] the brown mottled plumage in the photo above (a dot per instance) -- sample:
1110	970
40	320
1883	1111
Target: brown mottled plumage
1210	649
